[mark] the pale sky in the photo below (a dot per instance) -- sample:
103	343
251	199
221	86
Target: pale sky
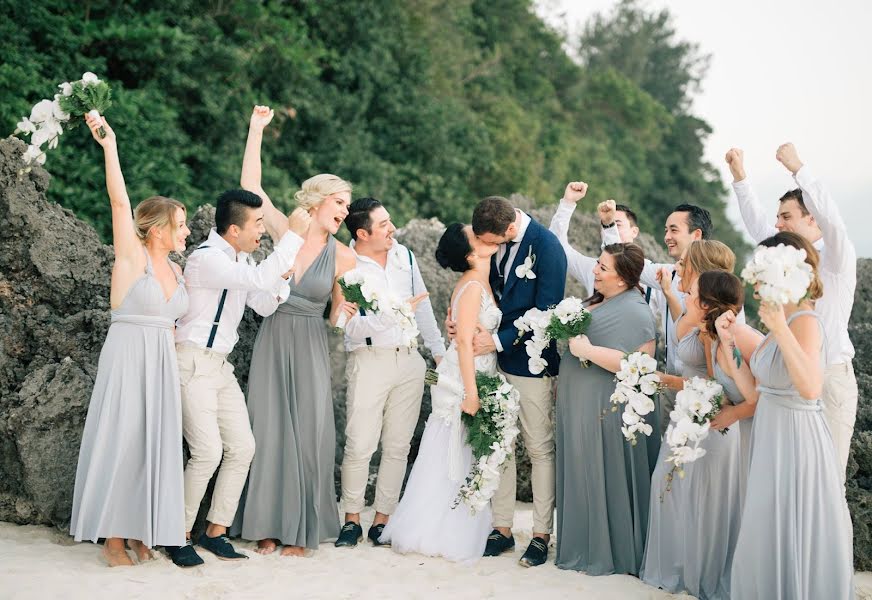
781	70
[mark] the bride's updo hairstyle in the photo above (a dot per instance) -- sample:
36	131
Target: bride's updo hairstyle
454	249
720	291
315	189
155	212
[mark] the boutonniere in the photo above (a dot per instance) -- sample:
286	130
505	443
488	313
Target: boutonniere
525	269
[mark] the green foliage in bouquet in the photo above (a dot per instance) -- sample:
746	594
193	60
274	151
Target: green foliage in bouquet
557	330
353	292
481	430
87	97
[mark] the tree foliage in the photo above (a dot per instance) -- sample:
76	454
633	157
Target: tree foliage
428	105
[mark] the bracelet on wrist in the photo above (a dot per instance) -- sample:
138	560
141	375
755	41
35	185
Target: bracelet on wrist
612	224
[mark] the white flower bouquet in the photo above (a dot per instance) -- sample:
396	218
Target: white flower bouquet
358	289
566	320
490	433
47	118
690	423
780	273
638	383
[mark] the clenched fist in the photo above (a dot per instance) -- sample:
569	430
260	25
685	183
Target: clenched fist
260	117
575	191
736	160
788	156
299	221
606	212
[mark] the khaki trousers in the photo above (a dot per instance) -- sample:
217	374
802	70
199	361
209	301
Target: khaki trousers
383	402
839	400
537	428
216	427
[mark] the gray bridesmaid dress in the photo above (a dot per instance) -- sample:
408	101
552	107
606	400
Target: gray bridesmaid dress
290	494
693	527
795	540
129	480
745	425
603	482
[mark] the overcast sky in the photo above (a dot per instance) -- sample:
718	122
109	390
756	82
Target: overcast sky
781	70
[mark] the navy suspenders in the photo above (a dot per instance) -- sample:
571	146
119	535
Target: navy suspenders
220	310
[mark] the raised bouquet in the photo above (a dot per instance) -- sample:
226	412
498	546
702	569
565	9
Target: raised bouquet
566	320
690	423
48	118
638	383
490	433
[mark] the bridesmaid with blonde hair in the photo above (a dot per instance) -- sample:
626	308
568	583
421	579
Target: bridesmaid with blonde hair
291	496
129	482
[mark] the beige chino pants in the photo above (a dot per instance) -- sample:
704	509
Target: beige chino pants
839	400
383	402
537	428
216	427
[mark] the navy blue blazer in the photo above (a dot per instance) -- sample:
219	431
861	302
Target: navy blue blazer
520	295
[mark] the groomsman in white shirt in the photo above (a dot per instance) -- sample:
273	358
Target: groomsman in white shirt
812	213
385	378
617	225
222	280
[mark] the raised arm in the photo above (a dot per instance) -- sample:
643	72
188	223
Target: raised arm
608	230
759	227
275	221
579	266
127	245
841	254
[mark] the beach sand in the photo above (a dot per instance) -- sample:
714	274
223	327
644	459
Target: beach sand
39	562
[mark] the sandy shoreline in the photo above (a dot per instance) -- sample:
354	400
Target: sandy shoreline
39	562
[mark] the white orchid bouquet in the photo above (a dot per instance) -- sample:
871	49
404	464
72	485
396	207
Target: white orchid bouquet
48	118
781	274
566	320
357	288
490	433
638	383
690	423
405	318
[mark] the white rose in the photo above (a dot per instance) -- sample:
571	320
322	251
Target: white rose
66	89
90	79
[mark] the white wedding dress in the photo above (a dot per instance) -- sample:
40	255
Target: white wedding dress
425	521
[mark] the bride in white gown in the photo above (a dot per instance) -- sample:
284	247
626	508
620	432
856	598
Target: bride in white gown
426	520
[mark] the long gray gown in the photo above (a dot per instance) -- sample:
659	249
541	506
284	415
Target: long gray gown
692	528
795	540
290	494
129	480
745	425
603	482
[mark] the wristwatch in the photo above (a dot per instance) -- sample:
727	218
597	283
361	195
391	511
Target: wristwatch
612	224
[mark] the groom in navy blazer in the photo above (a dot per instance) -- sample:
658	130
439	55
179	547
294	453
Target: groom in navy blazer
528	270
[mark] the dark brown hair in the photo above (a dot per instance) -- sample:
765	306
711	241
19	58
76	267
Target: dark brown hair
629	262
788	238
719	291
795	195
493	215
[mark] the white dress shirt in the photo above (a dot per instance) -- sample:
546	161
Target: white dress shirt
838	260
581	266
211	270
513	254
402	277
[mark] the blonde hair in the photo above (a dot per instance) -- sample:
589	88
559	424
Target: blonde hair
157	211
709	255
317	188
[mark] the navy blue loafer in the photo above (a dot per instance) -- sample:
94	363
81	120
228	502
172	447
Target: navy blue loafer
184	556
221	547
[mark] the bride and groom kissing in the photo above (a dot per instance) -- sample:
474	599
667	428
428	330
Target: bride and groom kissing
509	264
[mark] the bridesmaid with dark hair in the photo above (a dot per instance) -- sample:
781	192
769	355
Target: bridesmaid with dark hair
603	481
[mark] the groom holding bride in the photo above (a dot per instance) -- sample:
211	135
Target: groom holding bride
509	258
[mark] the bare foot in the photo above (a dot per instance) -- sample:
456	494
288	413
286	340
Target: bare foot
117	557
143	552
266	547
293	551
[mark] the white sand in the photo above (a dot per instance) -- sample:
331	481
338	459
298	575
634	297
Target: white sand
38	562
